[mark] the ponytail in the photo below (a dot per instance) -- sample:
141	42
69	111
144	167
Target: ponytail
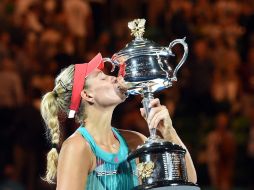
49	111
53	102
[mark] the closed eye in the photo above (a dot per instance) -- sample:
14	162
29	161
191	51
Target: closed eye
102	76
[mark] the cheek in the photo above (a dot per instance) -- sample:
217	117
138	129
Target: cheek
106	94
104	90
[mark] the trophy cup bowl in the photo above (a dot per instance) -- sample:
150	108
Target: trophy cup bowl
147	65
159	164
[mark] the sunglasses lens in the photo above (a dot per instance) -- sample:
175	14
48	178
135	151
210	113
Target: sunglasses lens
107	70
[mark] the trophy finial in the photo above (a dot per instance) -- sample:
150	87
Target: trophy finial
137	27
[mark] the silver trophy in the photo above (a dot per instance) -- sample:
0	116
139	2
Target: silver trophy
159	164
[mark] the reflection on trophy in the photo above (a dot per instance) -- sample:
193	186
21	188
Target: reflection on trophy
159	164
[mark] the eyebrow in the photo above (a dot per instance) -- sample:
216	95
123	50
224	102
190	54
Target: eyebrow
99	72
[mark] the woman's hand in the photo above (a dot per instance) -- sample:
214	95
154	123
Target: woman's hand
158	117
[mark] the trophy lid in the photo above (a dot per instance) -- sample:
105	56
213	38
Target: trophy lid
140	46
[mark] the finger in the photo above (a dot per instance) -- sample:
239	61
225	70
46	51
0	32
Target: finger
152	112
152	123
160	116
142	111
163	115
154	103
159	120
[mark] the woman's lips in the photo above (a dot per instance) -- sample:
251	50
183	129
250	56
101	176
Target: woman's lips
122	89
122	86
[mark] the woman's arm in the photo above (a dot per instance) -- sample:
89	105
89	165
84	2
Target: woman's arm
159	118
133	138
74	164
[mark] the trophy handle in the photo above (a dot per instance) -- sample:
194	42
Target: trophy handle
185	46
106	59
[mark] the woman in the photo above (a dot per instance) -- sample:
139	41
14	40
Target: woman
94	157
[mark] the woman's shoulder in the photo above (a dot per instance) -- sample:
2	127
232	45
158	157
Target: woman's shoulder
133	138
75	145
75	139
75	161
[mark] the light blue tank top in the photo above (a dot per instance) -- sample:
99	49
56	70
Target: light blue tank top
112	171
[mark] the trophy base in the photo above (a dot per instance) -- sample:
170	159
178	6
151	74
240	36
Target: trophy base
165	165
167	185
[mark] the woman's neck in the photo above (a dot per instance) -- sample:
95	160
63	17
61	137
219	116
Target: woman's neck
98	124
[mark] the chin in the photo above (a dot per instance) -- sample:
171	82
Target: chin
116	100
119	100
122	97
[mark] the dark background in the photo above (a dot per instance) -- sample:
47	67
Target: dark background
211	105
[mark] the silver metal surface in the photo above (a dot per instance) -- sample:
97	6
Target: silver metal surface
148	64
168	160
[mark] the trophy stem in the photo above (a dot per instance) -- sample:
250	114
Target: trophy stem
147	97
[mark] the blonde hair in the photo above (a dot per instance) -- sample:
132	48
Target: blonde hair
52	103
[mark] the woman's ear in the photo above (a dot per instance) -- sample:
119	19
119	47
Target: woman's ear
87	97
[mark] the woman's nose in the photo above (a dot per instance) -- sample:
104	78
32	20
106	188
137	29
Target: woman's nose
120	79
